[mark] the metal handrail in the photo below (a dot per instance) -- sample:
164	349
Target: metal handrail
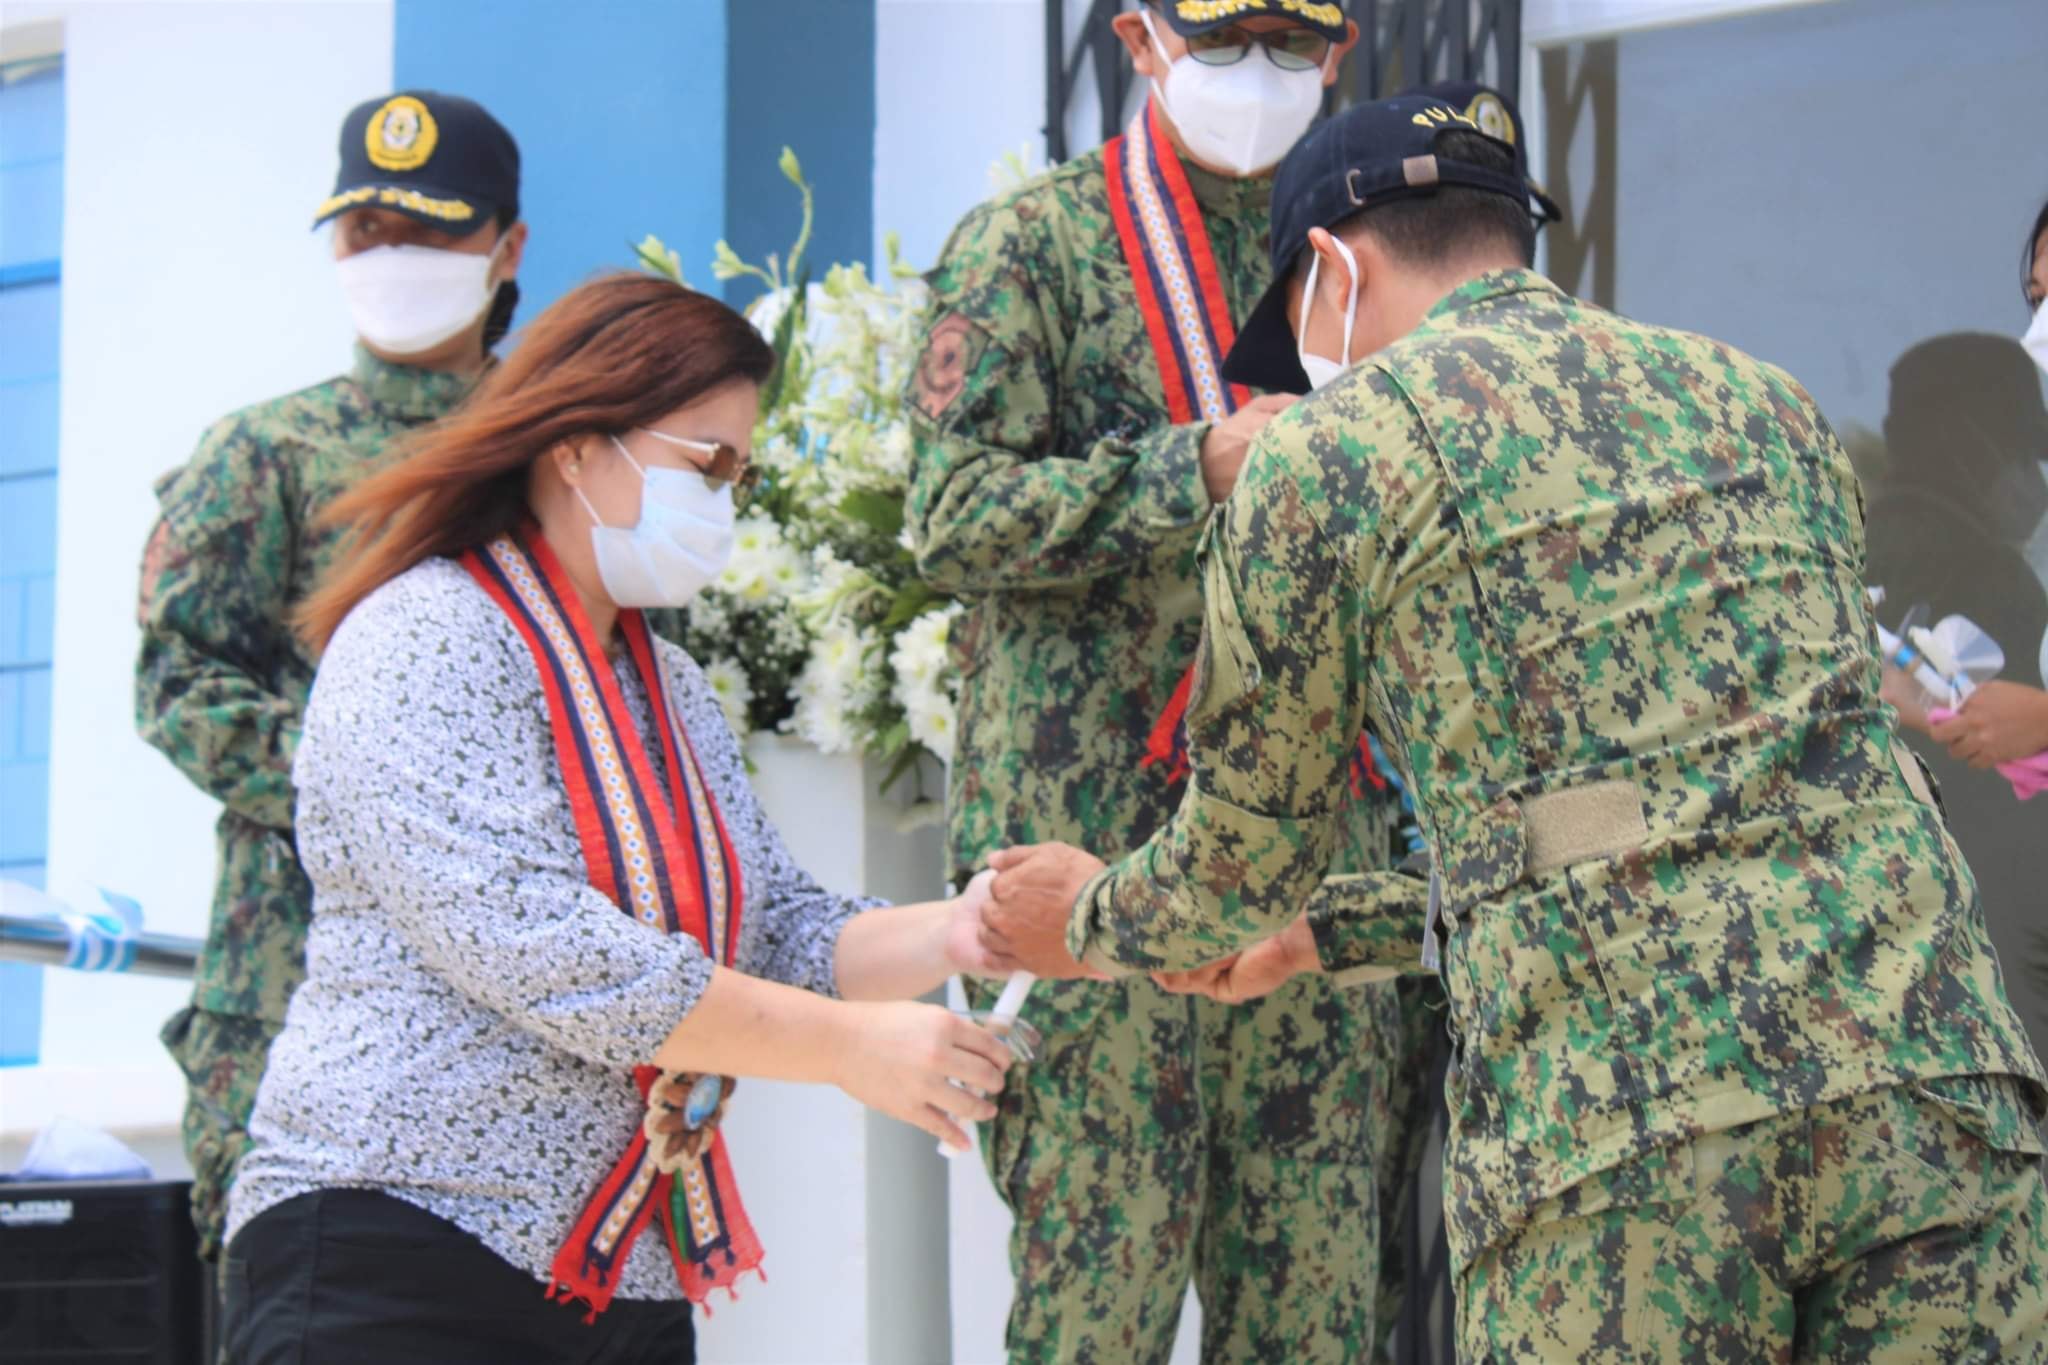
53	942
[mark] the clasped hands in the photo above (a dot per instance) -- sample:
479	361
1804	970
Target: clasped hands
1023	903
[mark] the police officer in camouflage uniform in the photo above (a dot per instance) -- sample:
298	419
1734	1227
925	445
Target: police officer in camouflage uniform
1159	1136
427	239
1736	1078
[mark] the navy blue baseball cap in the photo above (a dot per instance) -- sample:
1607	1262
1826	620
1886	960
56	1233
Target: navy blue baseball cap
1368	154
439	159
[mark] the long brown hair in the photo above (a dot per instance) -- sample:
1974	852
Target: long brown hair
619	352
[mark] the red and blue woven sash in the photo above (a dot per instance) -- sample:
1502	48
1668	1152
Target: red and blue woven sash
663	857
1180	292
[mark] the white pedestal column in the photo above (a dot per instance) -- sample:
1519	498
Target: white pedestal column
850	1206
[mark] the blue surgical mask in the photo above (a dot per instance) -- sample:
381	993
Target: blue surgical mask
682	541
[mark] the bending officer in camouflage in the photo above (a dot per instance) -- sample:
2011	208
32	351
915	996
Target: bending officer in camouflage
1736	1078
427	241
1059	494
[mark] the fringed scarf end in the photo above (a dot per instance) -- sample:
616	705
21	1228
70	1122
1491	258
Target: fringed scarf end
569	1294
1168	743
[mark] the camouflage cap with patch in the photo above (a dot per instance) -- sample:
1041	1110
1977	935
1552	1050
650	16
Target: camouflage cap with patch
440	159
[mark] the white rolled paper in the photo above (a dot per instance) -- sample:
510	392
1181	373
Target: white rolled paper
1008	1006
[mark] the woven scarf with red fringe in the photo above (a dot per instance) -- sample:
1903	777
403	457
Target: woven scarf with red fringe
1180	291
1180	295
662	855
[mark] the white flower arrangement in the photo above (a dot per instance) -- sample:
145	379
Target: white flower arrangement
820	626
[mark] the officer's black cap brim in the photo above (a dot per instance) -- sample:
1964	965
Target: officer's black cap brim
1188	28
481	211
1265	356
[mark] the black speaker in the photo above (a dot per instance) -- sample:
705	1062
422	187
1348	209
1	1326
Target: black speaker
99	1271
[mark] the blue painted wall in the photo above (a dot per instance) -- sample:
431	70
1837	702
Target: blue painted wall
619	110
816	96
31	239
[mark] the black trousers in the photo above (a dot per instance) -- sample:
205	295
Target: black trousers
341	1276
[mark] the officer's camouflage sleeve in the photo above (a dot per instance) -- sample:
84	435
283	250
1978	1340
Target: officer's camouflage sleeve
1278	706
215	586
992	504
1368	926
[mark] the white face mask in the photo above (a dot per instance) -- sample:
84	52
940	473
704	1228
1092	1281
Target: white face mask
1320	369
682	541
2036	339
406	300
1240	118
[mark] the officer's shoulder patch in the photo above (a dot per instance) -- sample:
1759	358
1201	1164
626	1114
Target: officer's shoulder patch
401	135
160	554
953	345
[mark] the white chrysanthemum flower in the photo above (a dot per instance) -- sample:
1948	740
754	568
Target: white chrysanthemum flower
823	722
757	550
840	656
833	688
784	572
755	536
932	724
920	653
735	693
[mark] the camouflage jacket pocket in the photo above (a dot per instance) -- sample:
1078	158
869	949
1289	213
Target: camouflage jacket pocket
1994	1110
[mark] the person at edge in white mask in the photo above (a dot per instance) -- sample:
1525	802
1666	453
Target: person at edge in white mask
550	919
1071	436
2000	722
427	241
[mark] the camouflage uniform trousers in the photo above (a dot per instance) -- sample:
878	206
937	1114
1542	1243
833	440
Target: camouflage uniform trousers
1904	1224
1162	1137
223	1056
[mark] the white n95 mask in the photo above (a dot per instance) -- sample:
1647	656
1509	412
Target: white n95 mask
683	540
1240	118
1321	369
405	300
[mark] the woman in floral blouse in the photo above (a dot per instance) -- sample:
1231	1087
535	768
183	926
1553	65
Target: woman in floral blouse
550	919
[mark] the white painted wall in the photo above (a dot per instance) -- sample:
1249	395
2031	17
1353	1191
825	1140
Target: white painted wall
957	84
1549	22
200	136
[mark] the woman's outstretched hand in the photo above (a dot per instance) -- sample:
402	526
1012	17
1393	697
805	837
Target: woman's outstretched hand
967	950
902	1058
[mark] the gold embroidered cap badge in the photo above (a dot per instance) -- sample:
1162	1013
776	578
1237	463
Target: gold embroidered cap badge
401	134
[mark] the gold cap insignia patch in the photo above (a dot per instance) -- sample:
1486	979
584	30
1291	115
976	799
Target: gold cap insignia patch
1492	117
401	135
